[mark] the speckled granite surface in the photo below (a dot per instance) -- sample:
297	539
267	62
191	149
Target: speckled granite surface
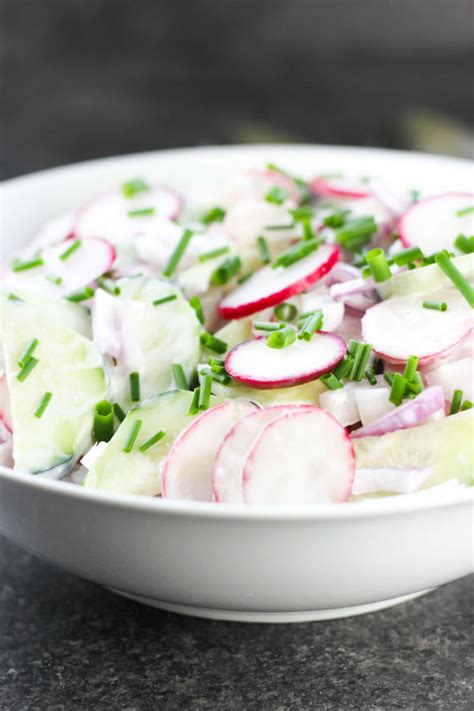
67	644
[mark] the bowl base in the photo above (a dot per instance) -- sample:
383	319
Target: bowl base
271	617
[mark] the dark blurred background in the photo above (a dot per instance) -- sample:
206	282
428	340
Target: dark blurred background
89	78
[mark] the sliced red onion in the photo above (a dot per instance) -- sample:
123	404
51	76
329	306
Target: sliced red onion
410	414
389	480
357	294
394	200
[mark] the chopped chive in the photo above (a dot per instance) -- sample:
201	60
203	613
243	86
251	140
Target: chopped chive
165	299
361	358
135	387
109	285
388	377
194	407
212	254
307	230
43	404
178	253
370	375
275	228
435	305
244	278
267	325
31	363
217	362
179	376
331	382
378	265
366	272
213	343
263	250
134	186
398	389
195	303
53	279
132	436
464	244
103	421
416	385
467	405
405	256
455	402
443	260
152	441
118	412
81	295
28	352
141	212
410	367
215	214
70	250
205	392
465	211
414	194
282	338
302	213
276	195
13	297
18	266
228	269
344	367
219	376
312	323
294	254
336	219
355	233
285	312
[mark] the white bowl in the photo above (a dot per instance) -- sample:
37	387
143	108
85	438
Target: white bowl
234	562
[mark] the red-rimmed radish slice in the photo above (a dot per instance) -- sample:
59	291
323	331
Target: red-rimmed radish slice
187	469
400	326
319	298
339	187
255	364
107	214
390	480
300	458
227	475
434	223
410	414
249	217
268	286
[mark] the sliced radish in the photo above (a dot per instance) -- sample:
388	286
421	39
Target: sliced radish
248	218
410	414
255	364
339	187
319	298
268	286
457	375
433	224
390	480
56	230
303	457
400	326
107	215
227	476
6	452
187	469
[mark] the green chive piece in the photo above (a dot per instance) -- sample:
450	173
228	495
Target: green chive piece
165	299
195	303
205	392
18	266
206	256
217	362
378	265
443	260
244	278
28	352
308	233
134	186
109	285
103	428
285	312
276	195
213	343
405	256
294	254
215	214
70	250
388	377
464	244
178	253
465	211
302	213
267	325
282	338
410	368
288	226
194	407
312	323
416	385
331	382
179	376
135	387
361	358
132	436
455	402
219	376
344	367
263	250
141	212
81	295
226	271
435	305
355	233
305	194
31	363
399	386
43	404
336	219
13	297
118	412
152	441
370	375
53	279
467	405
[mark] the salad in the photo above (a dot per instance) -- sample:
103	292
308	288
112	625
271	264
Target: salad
292	341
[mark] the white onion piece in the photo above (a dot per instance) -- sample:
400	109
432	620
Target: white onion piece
90	457
389	480
457	375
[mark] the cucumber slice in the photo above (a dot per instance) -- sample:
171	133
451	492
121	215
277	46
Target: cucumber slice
70	367
306	394
61	312
139	472
425	278
444	445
